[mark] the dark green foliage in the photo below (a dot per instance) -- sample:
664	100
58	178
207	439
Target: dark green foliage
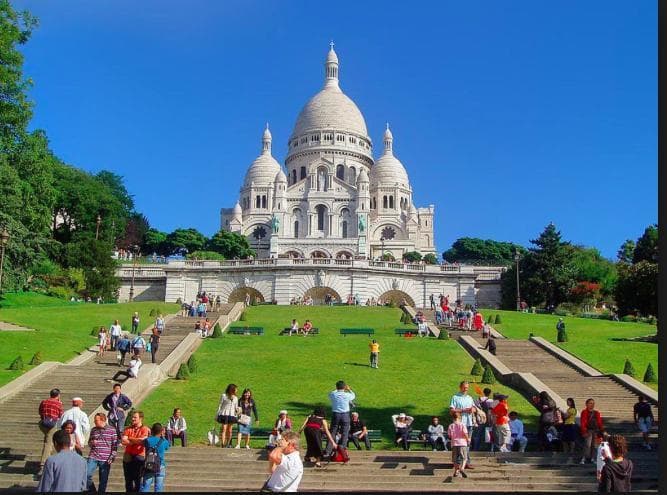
243	317
217	331
626	251
430	259
488	377
183	372
629	369
562	335
482	252
647	246
649	375
153	312
412	257
498	320
444	334
637	288
192	364
17	364
205	255
477	368
230	245
155	241
185	239
36	359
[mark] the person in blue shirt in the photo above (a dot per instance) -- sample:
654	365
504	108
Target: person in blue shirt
157	441
341	400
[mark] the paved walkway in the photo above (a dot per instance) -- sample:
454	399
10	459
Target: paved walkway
10	327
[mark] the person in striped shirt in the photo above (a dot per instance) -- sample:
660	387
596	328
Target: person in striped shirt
103	442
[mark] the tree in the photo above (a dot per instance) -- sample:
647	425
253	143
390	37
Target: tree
590	266
155	241
626	252
230	245
637	288
430	259
412	257
205	255
482	251
189	239
135	230
647	246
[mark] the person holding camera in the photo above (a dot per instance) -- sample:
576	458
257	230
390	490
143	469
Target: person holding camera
285	465
341	399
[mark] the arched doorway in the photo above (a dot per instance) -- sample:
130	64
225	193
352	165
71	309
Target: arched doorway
343	255
293	254
239	295
398	297
319	295
319	254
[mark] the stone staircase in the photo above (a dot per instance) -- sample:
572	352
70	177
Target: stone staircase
21	441
208	469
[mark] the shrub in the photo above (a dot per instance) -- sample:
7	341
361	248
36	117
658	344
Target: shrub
392	303
192	364
628	368
562	335
488	377
498	320
153	312
477	368
217	331
183	372
36	358
649	376
95	331
17	364
243	317
444	334
128	418
430	259
629	318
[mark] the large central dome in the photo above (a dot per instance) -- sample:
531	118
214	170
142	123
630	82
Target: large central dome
330	109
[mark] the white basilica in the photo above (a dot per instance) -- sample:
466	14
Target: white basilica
335	200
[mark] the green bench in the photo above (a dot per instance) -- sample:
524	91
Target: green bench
403	331
246	330
357	331
313	331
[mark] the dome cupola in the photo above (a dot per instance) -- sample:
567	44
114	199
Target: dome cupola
263	170
388	170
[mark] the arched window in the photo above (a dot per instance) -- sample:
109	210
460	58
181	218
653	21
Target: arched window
353	175
344	229
384	201
303	173
391	201
263	201
340	172
293	176
296	228
321	213
258	202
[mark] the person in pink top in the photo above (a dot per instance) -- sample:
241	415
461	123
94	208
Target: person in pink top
458	436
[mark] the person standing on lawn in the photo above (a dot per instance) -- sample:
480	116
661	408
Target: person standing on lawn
135	322
375	353
464	404
340	406
50	412
103	446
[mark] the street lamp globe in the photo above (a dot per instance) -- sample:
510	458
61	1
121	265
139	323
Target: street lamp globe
4	237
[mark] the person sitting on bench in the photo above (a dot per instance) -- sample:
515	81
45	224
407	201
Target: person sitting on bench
294	328
402	425
436	435
307	327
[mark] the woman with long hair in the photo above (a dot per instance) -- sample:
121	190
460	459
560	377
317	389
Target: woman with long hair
547	407
569	427
313	427
226	415
248	408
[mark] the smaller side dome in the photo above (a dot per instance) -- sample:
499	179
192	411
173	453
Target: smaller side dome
388	170
363	176
264	169
280	176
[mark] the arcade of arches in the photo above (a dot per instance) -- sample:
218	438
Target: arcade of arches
319	294
397	297
239	295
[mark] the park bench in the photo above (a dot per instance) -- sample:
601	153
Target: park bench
357	331
246	330
419	437
313	331
374	436
403	331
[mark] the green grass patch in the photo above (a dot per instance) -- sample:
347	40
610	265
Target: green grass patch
63	329
588	339
415	376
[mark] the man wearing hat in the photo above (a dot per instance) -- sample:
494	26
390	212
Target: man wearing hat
340	407
79	418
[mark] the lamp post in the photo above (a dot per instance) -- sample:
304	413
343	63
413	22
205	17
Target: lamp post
135	251
382	241
518	293
97	229
4	240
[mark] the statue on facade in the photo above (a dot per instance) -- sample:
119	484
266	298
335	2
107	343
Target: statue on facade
275	224
320	278
321	181
362	224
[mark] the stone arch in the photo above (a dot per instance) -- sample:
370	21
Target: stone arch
318	295
293	253
319	253
397	297
344	255
239	295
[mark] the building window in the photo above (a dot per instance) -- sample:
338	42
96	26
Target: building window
353	140
293	176
340	172
384	202
391	201
263	201
353	175
296	228
340	137
304	140
344	229
258	202
388	233
321	212
303	173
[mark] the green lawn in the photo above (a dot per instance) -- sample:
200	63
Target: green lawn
589	340
62	328
416	376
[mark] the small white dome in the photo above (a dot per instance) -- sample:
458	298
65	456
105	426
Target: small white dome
237	209
363	176
280	176
388	170
264	169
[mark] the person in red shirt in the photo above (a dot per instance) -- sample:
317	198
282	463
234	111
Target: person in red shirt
478	321
307	327
50	411
502	431
135	452
590	423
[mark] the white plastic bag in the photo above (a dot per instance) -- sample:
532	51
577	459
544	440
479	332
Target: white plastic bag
213	438
487	434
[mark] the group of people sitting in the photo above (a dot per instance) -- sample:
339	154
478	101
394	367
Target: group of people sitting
305	330
204	328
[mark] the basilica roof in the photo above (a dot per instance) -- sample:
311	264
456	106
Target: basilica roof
264	169
330	108
388	170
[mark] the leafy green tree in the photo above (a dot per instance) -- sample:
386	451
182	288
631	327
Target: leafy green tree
412	257
482	251
189	239
626	252
647	246
637	288
590	266
430	259
230	245
155	241
205	255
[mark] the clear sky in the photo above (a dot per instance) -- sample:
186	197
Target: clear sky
506	115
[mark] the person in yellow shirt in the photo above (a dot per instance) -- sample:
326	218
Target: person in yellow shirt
375	351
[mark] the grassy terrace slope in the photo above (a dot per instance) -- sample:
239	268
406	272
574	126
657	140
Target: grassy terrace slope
62	328
590	340
417	376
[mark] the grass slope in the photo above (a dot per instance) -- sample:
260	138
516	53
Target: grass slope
416	376
589	340
62	328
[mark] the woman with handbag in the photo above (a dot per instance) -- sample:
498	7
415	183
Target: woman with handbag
248	408
227	413
313	427
547	408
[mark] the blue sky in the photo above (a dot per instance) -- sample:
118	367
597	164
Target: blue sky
506	115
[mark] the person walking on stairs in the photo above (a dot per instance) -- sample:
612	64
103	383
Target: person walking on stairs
643	416
616	475
65	471
591	425
50	412
80	420
103	446
135	452
117	403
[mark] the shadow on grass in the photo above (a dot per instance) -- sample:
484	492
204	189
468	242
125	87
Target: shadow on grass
364	365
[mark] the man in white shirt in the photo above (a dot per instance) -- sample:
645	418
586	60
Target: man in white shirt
422	329
285	464
516	428
115	331
80	419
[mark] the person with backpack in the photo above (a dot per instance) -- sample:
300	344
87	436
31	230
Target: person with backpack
155	466
50	411
138	345
123	347
135	451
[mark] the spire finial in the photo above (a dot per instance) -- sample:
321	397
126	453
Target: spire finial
267	126
387	125
331	68
266	140
388	140
331	44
